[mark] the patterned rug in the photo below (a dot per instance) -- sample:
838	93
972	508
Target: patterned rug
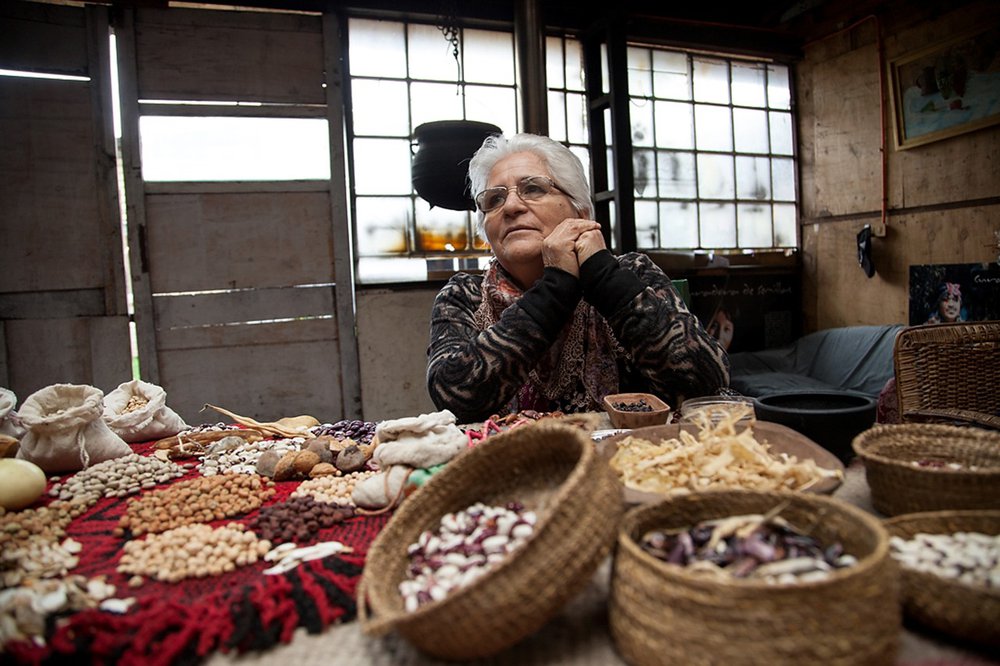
184	622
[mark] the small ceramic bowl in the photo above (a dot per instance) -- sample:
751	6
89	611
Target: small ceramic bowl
617	405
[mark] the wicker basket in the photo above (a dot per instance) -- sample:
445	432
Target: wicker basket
948	373
898	486
962	611
663	614
552	469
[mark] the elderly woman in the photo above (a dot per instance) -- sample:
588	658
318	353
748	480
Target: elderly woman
557	322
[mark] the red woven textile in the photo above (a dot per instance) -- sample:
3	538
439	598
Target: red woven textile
183	622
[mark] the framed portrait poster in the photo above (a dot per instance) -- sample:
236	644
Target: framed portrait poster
941	293
946	89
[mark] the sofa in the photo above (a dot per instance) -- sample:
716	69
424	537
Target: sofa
850	358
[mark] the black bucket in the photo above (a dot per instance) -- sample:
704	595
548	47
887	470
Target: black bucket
830	418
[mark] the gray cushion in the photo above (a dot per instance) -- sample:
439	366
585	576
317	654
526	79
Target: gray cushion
853	358
770	382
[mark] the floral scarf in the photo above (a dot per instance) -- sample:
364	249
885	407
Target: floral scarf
579	369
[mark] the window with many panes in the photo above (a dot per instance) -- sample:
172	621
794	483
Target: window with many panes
712	152
403	75
406	74
712	142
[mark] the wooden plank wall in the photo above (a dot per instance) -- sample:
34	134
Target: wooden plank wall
241	276
230	56
943	198
63	314
236	239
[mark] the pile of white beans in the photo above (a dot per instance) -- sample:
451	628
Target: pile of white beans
235	454
467	545
968	557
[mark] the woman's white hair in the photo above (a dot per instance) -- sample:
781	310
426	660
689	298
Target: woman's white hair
564	167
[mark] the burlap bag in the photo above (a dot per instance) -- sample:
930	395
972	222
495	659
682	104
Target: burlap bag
152	419
10	424
65	431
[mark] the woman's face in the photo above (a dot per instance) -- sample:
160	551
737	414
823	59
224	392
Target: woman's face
516	229
950	307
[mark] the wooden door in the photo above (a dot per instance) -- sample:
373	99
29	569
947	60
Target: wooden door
242	288
63	312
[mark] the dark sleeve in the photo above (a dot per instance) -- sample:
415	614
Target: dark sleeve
670	351
474	373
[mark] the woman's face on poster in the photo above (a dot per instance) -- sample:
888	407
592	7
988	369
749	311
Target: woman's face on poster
950	307
721	328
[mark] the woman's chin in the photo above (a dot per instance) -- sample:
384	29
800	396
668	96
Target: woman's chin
522	251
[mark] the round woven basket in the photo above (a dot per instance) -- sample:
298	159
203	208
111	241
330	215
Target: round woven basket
661	613
899	486
962	611
553	470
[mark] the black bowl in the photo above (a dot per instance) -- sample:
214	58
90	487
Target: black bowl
830	418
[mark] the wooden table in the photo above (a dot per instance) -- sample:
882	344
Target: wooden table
578	635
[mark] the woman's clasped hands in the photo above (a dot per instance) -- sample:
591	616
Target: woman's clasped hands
571	243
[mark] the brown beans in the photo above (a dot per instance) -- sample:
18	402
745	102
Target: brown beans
298	519
200	500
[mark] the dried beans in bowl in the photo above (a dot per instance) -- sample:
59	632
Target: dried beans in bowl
661	613
549	468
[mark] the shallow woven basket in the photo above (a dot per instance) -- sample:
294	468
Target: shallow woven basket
663	614
966	612
898	486
552	469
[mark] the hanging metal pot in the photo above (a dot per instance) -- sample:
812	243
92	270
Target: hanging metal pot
440	166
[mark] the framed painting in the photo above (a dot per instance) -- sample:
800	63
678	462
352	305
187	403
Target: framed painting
946	89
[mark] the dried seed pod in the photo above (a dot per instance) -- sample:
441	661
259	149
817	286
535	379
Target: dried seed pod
267	463
321	447
351	459
322	469
304	462
295	465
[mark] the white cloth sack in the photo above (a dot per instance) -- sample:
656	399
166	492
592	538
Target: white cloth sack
65	431
154	420
426	450
10	424
393	429
418	441
380	490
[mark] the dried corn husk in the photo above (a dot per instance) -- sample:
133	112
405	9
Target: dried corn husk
289	426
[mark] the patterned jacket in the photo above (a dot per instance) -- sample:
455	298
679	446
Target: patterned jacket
663	349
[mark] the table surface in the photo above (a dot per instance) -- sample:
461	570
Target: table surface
579	634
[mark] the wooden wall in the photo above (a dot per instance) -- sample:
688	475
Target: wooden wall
63	315
942	198
393	334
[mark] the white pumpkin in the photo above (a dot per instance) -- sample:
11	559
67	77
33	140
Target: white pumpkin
21	483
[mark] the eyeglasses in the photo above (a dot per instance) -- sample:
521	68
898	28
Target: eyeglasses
531	188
